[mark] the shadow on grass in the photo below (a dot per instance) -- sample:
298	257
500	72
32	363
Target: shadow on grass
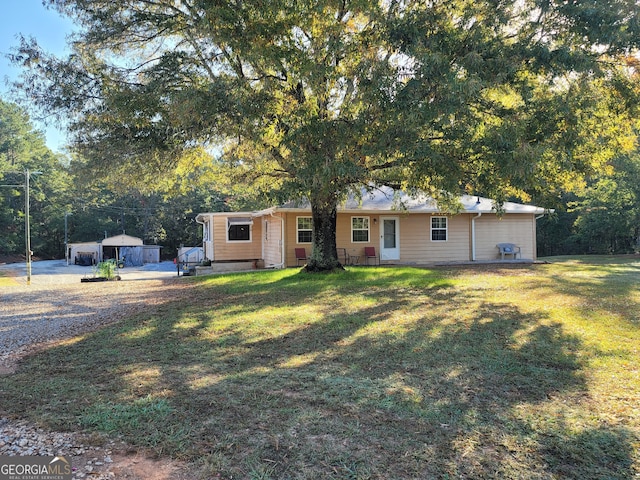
375	374
599	278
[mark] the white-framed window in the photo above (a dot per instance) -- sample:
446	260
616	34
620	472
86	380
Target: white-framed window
360	229
239	229
304	229
439	229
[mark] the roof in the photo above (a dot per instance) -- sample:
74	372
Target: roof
388	199
385	199
122	241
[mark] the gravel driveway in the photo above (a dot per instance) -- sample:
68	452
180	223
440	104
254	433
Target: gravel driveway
58	305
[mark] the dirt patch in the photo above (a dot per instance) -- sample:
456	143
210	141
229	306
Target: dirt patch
93	456
136	467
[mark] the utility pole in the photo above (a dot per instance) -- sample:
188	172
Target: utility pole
66	238
27	226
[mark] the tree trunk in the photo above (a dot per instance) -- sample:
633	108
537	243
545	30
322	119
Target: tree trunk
324	256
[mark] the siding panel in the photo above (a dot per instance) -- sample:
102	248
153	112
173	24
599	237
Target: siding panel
518	229
416	246
225	250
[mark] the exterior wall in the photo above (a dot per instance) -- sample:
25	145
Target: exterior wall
151	254
272	240
344	238
208	248
519	229
290	237
225	250
343	235
414	238
416	246
92	249
415	243
122	241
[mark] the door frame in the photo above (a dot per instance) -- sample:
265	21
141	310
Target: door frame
390	253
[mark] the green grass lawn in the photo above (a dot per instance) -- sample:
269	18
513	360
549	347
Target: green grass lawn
375	373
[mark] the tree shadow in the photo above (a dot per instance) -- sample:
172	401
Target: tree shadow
390	380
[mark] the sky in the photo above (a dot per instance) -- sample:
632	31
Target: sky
31	19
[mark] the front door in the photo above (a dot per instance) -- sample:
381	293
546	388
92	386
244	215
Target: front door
390	238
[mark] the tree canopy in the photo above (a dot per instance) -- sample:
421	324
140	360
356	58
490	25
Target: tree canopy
97	206
23	148
316	99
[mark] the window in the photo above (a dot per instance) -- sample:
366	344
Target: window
304	229
359	229
438	229
239	229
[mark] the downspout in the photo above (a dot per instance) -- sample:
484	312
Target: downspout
473	236
535	235
203	222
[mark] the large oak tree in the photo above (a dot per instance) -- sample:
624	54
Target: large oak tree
313	99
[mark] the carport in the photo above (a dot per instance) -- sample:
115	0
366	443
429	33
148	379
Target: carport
124	247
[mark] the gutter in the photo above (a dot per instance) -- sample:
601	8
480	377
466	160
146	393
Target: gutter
473	236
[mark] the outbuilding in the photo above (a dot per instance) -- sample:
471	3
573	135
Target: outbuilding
130	250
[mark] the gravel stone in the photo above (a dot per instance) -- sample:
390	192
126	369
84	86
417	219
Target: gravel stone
54	308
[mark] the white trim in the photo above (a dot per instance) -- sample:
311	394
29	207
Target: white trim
390	253
239	221
232	221
368	229
298	242
446	228
473	236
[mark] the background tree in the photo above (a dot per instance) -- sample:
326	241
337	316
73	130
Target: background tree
21	148
603	218
161	213
314	99
601	214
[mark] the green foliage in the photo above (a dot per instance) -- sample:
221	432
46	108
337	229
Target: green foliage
604	218
299	99
23	148
162	214
107	269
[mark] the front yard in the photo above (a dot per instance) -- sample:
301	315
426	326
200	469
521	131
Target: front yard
374	373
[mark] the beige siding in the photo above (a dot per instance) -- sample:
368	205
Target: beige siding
291	239
343	235
226	250
417	247
344	238
518	229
